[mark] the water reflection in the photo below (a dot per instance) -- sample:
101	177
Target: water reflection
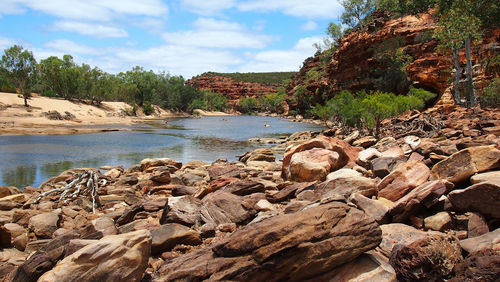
29	160
20	176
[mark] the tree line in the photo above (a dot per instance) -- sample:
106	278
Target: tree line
63	78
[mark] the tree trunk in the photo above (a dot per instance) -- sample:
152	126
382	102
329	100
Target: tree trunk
457	76
470	83
25	100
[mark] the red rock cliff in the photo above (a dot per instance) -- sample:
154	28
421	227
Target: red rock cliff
231	88
353	63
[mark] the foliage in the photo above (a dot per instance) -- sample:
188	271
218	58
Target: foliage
19	67
247	105
272	101
357	12
256	77
302	99
421	94
391	76
210	101
313	74
491	94
147	108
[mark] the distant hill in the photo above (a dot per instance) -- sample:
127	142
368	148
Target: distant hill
267	78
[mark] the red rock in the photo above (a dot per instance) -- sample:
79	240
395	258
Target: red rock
403	179
483	197
313	164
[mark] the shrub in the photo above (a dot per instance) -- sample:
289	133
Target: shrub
247	105
422	94
147	108
491	94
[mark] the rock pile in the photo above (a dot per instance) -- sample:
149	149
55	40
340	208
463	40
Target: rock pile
407	209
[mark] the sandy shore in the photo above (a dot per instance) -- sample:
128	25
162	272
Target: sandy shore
16	119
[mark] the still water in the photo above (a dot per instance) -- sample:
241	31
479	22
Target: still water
31	159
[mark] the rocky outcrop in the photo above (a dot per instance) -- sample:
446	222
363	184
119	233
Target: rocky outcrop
292	247
352	65
231	88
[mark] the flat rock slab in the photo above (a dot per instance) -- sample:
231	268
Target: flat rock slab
403	179
288	247
121	257
483	197
462	165
167	236
488	241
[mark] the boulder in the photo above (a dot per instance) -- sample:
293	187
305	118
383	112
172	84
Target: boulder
462	165
488	241
422	197
365	142
438	222
121	257
374	208
289	191
9	190
226	171
479	266
403	179
370	266
483	197
294	247
428	259
313	164
384	165
345	185
184	210
43	225
347	153
161	176
223	207
492	176
148	163
167	236
262	154
398	234
477	226
245	187
365	156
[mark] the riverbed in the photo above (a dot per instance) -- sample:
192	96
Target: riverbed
31	159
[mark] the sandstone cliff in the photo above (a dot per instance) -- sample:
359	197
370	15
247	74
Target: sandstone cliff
352	65
231	88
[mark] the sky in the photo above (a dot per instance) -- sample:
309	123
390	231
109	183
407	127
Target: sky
182	37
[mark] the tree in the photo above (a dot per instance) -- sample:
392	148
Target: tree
20	68
357	12
459	26
247	104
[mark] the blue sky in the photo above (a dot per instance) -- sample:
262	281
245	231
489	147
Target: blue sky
182	37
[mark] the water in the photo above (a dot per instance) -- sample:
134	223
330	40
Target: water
31	159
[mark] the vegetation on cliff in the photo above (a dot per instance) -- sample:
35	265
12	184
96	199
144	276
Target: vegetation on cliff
266	78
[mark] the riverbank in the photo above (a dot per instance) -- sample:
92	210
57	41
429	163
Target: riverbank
52	116
335	208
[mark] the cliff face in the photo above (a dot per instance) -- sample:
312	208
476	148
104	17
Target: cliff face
231	88
352	65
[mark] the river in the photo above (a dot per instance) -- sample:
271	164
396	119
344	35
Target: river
31	159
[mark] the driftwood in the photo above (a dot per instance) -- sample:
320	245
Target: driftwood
84	184
424	127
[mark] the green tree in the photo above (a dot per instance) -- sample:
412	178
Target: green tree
357	12
491	94
391	76
247	105
20	68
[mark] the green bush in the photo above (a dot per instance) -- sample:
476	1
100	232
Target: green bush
215	101
247	105
491	94
199	104
147	108
422	94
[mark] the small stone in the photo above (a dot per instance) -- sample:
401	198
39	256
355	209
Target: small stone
438	222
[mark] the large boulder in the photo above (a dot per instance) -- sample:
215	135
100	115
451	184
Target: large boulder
488	241
346	186
288	247
45	224
398	234
483	197
148	163
422	197
121	257
403	179
428	259
347	153
462	165
314	164
245	187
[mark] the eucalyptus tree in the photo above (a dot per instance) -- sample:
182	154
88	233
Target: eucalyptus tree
20	69
357	12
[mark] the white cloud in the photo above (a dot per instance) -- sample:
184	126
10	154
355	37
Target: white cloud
326	9
207	7
99	10
213	24
70	47
6	43
211	33
308	26
91	29
281	60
